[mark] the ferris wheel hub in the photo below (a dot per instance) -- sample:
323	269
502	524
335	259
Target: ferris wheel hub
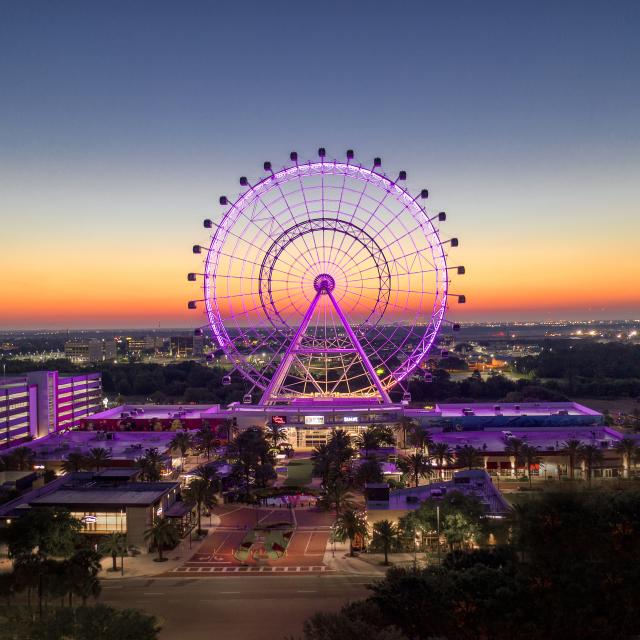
324	283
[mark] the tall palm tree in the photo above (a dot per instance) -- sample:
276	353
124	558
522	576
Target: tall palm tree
201	494
513	448
162	533
98	457
181	442
351	524
73	463
590	455
529	456
340	497
628	450
368	440
206	440
571	448
404	426
416	465
421	438
114	545
385	535
322	462
150	465
442	454
275	434
468	457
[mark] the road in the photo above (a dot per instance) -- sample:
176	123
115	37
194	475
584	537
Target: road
230	608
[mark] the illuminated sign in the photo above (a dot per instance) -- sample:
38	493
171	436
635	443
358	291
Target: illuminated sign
89	519
314	419
350	419
278	419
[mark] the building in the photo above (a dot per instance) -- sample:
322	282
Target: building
38	403
187	346
109	501
142	344
93	350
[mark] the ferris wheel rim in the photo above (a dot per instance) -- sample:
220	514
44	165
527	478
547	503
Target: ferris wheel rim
218	324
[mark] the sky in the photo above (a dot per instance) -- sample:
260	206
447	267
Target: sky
121	123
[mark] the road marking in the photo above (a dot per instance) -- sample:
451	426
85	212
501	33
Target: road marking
153	593
307	591
229	592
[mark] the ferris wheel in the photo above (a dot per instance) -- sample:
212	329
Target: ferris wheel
325	279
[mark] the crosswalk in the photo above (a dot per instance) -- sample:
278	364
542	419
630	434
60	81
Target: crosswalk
255	570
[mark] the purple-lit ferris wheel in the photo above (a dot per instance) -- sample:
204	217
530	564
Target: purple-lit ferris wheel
325	279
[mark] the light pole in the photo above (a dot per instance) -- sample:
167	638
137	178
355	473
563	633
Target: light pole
438	531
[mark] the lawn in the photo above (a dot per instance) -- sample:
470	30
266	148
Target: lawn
299	472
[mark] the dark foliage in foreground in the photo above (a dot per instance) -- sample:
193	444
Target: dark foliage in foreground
573	571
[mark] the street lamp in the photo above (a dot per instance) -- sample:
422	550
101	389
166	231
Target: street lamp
438	531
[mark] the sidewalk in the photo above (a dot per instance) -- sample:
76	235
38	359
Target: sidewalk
143	565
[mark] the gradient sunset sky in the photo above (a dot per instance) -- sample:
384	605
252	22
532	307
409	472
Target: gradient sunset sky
121	123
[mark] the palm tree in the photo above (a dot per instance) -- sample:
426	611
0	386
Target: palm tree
628	450
22	458
339	496
181	442
416	465
73	463
201	494
468	457
322	462
276	434
368	440
404	426
162	533
529	456
150	465
350	524
114	545
571	448
421	438
385	535
590	455
513	448
206	440
98	457
442	454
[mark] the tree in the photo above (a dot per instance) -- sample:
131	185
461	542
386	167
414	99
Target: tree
250	450
369	470
206	440
571	448
74	462
590	455
628	451
20	458
468	457
181	442
276	434
442	454
385	536
322	463
150	465
114	545
513	447
367	440
339	496
52	531
529	456
417	466
83	567
421	438
351	523
404	426
98	457
161	534
458	530
201	494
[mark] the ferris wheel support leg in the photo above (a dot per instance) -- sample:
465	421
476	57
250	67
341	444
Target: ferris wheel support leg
287	360
358	347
